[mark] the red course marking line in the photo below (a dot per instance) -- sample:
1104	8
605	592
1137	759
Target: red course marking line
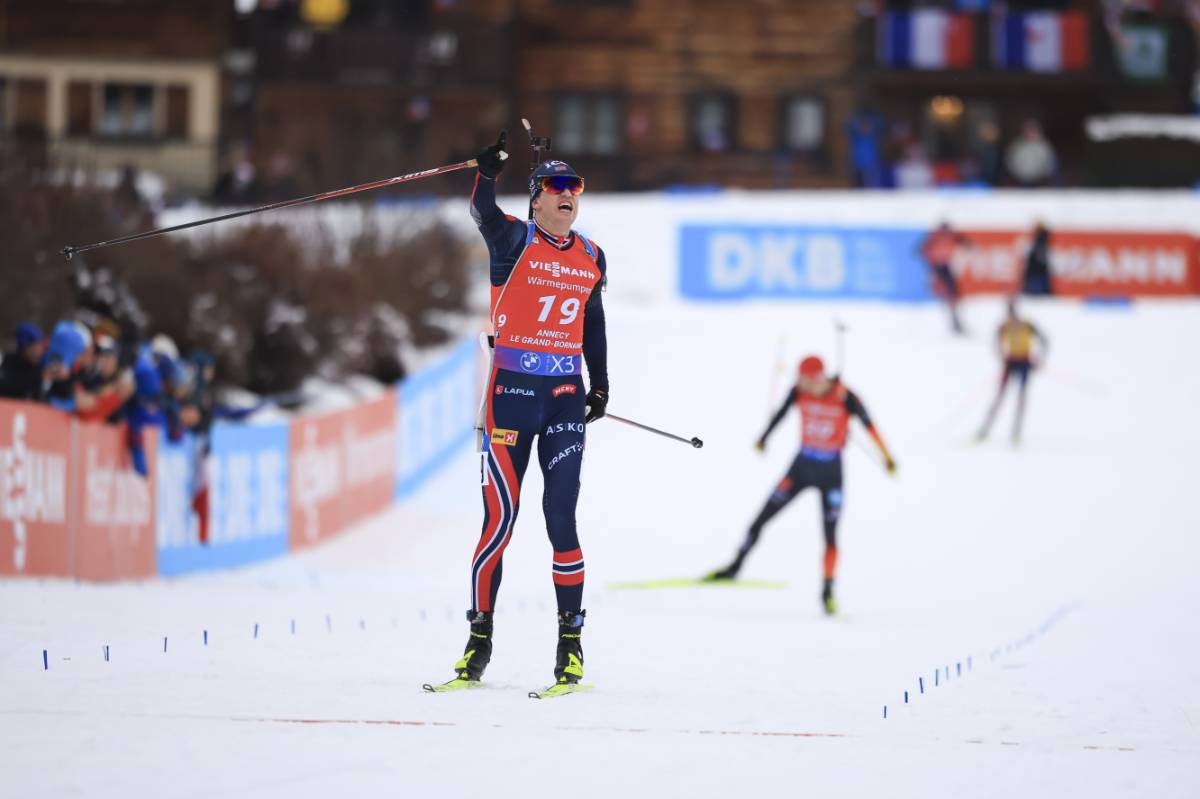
410	723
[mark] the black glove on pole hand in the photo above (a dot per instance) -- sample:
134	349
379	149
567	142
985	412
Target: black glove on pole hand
597	404
491	160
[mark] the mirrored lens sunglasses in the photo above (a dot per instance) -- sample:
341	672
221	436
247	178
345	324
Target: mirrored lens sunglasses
557	184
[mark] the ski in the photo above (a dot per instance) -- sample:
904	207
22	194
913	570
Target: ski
561	689
457	684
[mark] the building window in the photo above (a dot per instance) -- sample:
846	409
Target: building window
79	108
711	122
588	124
128	111
804	124
178	112
29	107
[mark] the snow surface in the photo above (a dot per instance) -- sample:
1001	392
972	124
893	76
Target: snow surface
1061	575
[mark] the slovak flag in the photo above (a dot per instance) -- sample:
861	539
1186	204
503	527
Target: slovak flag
1041	41
926	39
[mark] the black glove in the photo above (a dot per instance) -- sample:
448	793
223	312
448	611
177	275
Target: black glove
597	404
491	160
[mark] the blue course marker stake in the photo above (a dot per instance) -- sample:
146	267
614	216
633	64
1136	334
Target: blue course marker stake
293	626
422	614
921	684
362	624
968	663
206	637
45	661
164	644
937	674
328	624
256	630
106	653
957	669
906	697
885	711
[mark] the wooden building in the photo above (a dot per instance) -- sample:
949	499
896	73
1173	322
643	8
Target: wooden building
105	85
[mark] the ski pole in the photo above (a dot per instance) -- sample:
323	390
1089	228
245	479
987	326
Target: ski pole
695	442
840	330
70	251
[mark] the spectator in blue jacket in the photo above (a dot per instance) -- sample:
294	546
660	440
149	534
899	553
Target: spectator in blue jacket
21	369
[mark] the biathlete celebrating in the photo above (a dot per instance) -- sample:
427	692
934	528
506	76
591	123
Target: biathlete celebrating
548	320
825	407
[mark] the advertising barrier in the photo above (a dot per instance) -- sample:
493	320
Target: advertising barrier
71	503
114	506
343	468
737	262
1084	263
435	411
246	475
35	447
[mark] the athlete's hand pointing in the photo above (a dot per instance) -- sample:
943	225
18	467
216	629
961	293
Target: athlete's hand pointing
491	160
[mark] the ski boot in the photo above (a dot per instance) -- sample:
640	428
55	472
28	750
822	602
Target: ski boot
568	660
827	600
478	651
730	572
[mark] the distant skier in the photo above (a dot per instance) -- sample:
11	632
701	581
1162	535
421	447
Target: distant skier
938	249
825	407
548	319
1036	280
1015	340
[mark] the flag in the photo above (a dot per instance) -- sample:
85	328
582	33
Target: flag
927	39
1142	50
1041	41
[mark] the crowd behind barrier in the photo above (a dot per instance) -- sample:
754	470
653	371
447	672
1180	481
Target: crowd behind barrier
71	505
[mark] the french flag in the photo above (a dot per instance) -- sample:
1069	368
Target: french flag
927	39
1041	41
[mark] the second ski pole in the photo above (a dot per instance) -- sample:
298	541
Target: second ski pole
695	442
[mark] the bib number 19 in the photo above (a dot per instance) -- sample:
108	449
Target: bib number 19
569	309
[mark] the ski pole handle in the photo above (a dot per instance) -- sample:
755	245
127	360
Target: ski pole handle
695	442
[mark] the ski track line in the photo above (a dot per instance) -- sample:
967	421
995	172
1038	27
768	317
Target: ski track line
557	728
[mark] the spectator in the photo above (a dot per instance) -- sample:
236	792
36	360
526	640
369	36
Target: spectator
986	152
864	130
68	352
144	410
915	171
103	388
21	369
200	409
1036	280
1030	158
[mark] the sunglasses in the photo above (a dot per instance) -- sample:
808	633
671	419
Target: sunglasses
557	184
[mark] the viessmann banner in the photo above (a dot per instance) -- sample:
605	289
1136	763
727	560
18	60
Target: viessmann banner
1085	263
740	262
